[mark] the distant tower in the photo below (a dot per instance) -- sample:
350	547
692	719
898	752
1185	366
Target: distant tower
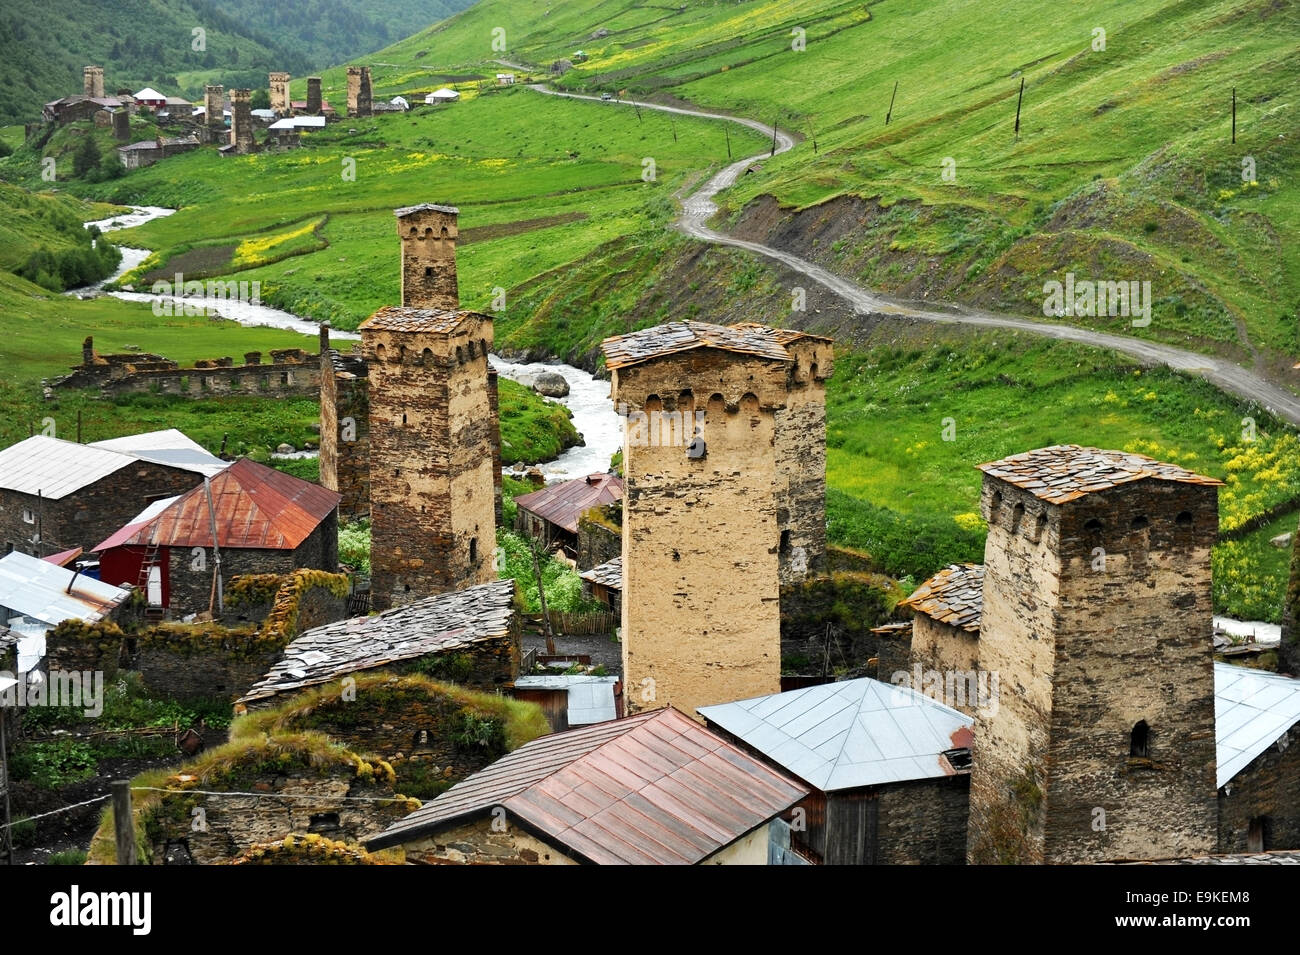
214	106
359	91
279	90
701	598
92	79
1097	618
313	96
801	452
241	121
432	487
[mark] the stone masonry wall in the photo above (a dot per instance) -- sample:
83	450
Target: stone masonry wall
1086	649
701	605
478	843
1266	788
947	649
599	540
801	462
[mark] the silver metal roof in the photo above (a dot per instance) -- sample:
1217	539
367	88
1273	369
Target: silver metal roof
38	589
1253	709
55	468
850	734
591	698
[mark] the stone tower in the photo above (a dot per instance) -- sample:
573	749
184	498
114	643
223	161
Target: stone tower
241	121
801	452
432	486
279	90
313	96
1097	619
701	601
214	106
345	428
359	92
428	235
92	79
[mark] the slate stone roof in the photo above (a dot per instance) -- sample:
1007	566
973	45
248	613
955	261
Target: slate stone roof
955	596
608	574
1063	472
405	318
652	789
432	625
782	335
425	207
635	347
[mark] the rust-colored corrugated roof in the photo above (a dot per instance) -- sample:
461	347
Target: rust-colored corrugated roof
782	335
404	318
562	504
256	507
955	596
624	350
1064	472
653	789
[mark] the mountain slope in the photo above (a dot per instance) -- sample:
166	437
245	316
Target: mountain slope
45	43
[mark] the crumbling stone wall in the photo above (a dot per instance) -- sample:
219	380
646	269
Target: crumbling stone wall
600	538
345	430
479	843
701	602
1085	650
801	461
1265	790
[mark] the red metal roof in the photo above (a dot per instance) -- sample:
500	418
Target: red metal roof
63	558
255	506
564	503
652	789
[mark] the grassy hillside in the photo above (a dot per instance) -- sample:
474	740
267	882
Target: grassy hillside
1123	170
540	183
44	45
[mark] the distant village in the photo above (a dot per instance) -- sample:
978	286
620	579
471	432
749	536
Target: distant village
1063	702
224	118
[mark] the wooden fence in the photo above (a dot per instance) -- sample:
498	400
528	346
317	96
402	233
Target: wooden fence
601	623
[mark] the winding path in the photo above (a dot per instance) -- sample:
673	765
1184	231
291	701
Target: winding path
699	207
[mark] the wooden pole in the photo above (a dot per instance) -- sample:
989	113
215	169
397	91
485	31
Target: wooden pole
123	825
812	131
773	152
6	839
891	103
541	597
78	426
1234	115
727	131
1018	99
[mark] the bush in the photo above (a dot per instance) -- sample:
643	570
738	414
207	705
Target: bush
68	857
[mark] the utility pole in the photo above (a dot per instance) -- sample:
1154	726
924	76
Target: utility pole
773	152
891	103
1234	116
727	131
123	824
533	547
1018	100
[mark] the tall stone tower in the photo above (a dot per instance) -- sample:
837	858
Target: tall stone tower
359	92
1097	617
241	121
801	452
313	96
279	91
214	107
92	79
701	601
432	486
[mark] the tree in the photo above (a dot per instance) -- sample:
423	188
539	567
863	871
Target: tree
86	157
260	99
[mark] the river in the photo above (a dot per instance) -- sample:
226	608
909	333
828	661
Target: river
588	398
